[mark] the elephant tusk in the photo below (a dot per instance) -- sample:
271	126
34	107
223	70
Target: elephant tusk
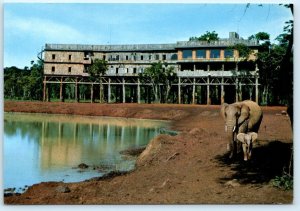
233	128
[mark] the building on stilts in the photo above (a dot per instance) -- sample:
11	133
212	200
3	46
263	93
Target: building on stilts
207	72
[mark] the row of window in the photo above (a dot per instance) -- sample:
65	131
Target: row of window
127	57
54	56
186	54
214	53
53	69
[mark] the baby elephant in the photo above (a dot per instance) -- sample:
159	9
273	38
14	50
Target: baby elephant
247	139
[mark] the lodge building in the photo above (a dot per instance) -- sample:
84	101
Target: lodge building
208	72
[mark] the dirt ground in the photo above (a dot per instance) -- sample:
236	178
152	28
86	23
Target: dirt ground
190	168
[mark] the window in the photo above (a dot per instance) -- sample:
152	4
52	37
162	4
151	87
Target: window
117	70
200	54
134	70
164	56
157	56
53	56
117	57
150	57
187	54
69	69
104	57
174	57
228	53
215	53
142	57
70	57
53	69
126	57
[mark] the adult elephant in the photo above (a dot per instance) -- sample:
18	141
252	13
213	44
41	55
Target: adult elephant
240	117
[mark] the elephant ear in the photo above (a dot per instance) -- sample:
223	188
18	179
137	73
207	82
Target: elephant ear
245	113
223	108
241	137
253	136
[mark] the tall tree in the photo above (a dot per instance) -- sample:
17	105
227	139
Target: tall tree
159	74
208	36
97	70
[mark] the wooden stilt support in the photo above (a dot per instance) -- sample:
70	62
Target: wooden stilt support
61	91
179	90
194	91
208	100
256	90
138	92
123	90
236	90
76	90
109	91
222	91
92	93
45	88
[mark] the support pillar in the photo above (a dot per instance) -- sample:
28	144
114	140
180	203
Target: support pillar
123	90
48	92
61	91
179	91
194	90
236	90
45	88
256	89
208	101
76	90
92	93
222	92
109	92
138	92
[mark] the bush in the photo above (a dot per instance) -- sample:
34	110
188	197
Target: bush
283	182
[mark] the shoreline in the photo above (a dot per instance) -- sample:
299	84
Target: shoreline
192	162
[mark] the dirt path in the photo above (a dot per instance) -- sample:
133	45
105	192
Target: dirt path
190	168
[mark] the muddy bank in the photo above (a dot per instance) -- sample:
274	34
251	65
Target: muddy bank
189	168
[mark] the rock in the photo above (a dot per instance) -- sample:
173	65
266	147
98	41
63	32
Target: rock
232	183
133	151
63	189
83	166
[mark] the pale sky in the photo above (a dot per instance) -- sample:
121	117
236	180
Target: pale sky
27	27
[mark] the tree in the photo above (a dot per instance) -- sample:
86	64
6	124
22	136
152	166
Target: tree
208	36
97	70
157	74
24	83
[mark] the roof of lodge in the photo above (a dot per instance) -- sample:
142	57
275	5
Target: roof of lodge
151	47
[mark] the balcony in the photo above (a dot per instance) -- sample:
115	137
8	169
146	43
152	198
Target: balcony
87	60
217	73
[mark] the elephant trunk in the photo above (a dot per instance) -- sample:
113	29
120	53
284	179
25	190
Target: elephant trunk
231	131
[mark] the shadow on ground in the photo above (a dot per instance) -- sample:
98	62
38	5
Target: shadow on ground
267	162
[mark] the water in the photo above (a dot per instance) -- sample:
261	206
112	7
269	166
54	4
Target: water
41	147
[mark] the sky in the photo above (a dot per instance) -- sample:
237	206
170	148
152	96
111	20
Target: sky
29	26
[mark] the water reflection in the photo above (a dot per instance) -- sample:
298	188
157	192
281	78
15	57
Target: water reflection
46	147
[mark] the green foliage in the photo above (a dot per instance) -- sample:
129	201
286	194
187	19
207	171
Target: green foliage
208	36
24	84
244	50
98	68
96	71
283	182
158	73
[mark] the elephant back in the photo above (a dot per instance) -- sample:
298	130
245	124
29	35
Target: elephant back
255	116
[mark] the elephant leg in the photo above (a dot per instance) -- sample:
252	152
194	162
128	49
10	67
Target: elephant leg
239	147
233	149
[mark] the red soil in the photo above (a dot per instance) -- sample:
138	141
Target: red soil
190	168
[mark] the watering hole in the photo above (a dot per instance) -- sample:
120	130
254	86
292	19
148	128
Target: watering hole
47	147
